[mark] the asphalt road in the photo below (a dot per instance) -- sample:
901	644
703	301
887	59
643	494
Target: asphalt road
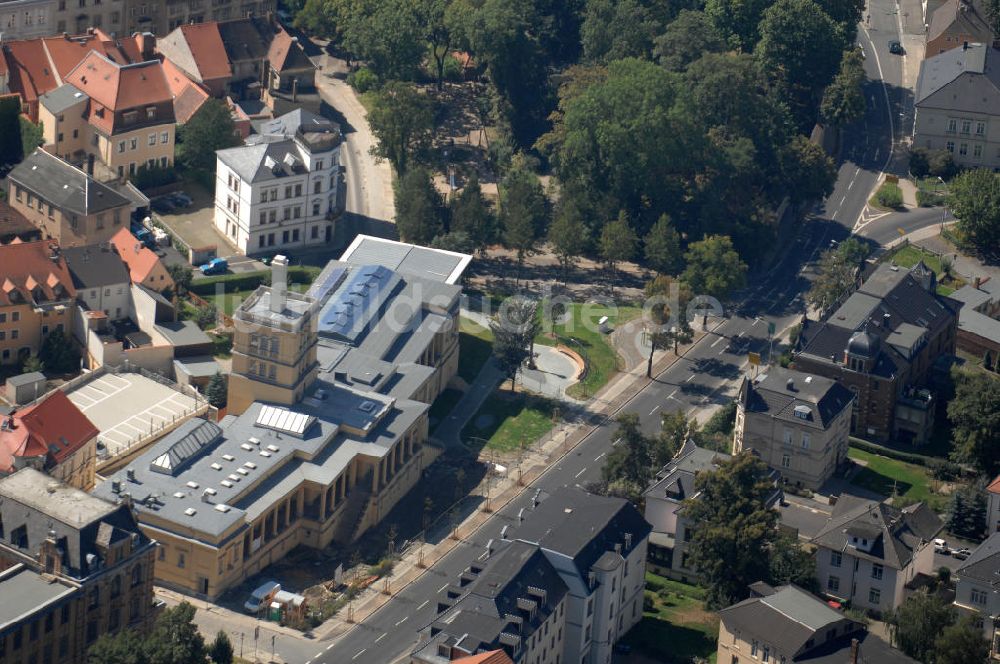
705	376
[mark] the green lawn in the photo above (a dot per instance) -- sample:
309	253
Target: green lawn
882	475
580	332
517	419
908	256
675	625
475	345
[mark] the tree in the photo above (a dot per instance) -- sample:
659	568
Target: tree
569	234
844	99
967	513
11	152
670	324
32	135
663	247
221	650
437	32
975	202
174	639
514	330
618	243
974	413
687	38
737	21
786	26
616	29
419	207
837	273
207	316
387	35
992	8
458	241
790	563
58	353
401	120
182	276
210	129
961	643
216	392
31	364
717	432
322	18
917	622
471	214
733	526
714	267
523	212
630	462
674	431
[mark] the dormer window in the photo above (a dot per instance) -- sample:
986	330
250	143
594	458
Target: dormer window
129	117
150	112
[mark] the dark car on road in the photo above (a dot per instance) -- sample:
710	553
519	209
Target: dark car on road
896	48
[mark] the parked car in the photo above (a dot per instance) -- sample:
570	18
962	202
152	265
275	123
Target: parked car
215	266
163	205
961	554
260	596
941	546
896	48
145	237
180	199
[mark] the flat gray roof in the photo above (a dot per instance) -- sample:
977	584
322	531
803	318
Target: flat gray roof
197	366
31	592
433	264
802	607
183	333
257	308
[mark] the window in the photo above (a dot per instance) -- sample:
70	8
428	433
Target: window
874	596
963	149
161	553
263	196
15	316
136	575
315	209
877	571
298	189
134	144
836	558
319	164
767	654
754	647
786	461
952	126
805	441
152	139
787	437
978	596
94	598
980	128
14	334
180	559
977	151
950	146
150	115
288	191
263	216
116	586
317	186
833	583
966	126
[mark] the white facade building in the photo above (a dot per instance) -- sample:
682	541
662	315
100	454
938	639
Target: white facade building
279	191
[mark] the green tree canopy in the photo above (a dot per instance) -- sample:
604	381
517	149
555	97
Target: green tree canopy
790	563
523	211
471	214
669	323
837	273
629	464
221	650
387	35
917	622
212	128
714	267
401	119
569	234
616	29
686	38
514	330
11	152
59	354
216	391
810	171
844	99
419	207
737	21
974	413
662	247
975	202
732	526
618	241
961	643
174	639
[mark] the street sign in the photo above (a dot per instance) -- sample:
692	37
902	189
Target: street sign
770	329
754	358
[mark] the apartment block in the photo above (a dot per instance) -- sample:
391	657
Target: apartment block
79	567
976	591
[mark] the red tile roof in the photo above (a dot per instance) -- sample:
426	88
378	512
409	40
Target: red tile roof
53	427
207	50
139	259
119	87
31	73
188	95
492	657
285	53
29	266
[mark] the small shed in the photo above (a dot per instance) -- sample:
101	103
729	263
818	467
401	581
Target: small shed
25	388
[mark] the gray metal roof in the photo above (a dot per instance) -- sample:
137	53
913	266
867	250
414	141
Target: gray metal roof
96	266
981	325
26	379
198	366
430	264
183	333
961	80
783	393
32	592
984	563
62	98
65	186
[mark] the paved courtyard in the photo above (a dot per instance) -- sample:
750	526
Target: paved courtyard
128	407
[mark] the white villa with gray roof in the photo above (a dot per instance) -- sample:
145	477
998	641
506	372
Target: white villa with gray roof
279	191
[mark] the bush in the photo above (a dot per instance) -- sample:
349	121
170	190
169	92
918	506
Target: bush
928	198
452	69
222	344
250	280
942	469
920	166
942	164
382	567
207	316
363	80
150	178
889	195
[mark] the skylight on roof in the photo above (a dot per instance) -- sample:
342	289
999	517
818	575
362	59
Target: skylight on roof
216	466
272	448
190	511
229	457
243	471
234	478
192	485
227	484
265	453
283	419
247	446
254	440
251	465
210	491
222	508
179	494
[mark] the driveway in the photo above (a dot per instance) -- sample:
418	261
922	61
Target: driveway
369	184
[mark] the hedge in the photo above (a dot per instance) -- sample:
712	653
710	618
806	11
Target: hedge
935	464
250	280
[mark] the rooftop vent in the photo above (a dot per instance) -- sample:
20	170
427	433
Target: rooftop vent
253	440
229	457
179	494
227	484
216	466
251	465
190	511
210	491
247	446
265	453
790	385
367	406
233	478
222	508
272	448
243	471
192	485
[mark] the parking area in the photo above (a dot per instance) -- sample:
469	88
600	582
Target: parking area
129	407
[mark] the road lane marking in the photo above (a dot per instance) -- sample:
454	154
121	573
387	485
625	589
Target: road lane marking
360	652
716	342
423	605
655	408
402	621
381	637
598	457
330	647
442	587
671	395
580	473
689	378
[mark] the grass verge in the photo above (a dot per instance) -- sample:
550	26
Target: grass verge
909	255
581	332
675	625
883	475
513	420
475	345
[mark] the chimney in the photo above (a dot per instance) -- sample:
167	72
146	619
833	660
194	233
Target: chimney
886	317
854	651
977	282
130	474
116	486
965	44
790	385
279	283
295	88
